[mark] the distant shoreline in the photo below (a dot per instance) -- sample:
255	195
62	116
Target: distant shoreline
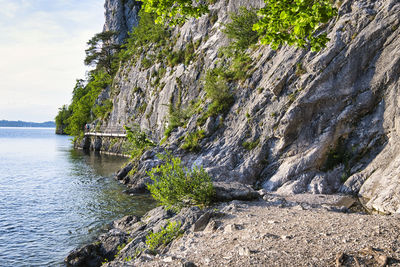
20	124
36	127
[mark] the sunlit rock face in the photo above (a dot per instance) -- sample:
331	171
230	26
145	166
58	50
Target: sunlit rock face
321	122
121	17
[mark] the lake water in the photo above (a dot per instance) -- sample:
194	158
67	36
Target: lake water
53	198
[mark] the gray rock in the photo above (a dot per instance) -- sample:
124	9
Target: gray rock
121	17
89	256
336	119
122	173
234	191
202	222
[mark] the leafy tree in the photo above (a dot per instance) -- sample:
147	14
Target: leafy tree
83	101
101	51
294	22
61	119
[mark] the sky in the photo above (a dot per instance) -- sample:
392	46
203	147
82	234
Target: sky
42	48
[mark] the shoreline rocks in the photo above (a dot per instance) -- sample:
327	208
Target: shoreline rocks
125	241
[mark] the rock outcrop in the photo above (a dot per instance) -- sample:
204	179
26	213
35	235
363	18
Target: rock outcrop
321	122
121	17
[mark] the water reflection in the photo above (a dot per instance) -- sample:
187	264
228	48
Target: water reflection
53	198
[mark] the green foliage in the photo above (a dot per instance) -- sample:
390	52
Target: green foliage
175	57
164	236
300	70
119	248
137	141
192	140
147	33
83	101
61	119
250	145
294	22
175	186
101	52
176	118
174	11
240	67
103	110
240	30
218	92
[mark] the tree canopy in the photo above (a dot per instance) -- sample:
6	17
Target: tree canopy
175	11
101	50
292	22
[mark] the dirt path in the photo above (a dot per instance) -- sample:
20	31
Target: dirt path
278	232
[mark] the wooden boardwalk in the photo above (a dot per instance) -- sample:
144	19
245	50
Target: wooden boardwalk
110	132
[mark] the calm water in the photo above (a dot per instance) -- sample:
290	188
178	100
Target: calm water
53	198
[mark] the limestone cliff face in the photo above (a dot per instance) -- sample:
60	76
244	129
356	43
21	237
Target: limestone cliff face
121	16
321	122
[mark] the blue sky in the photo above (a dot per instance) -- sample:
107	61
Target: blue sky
42	48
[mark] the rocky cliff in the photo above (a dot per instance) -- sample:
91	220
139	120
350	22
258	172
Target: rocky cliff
301	121
121	17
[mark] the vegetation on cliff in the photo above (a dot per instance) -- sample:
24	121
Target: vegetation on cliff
292	22
280	22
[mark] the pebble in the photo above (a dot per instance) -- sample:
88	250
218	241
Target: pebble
244	251
168	259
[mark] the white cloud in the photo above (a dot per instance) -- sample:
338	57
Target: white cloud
42	51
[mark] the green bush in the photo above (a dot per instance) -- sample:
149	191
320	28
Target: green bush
137	141
192	141
164	236
147	33
61	119
218	92
174	186
240	30
175	58
240	67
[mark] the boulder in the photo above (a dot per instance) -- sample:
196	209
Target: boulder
225	192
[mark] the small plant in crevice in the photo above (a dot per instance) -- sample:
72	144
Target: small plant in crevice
191	142
119	248
339	155
250	145
177	116
163	237
175	186
300	70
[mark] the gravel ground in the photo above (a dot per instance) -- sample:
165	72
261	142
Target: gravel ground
300	231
